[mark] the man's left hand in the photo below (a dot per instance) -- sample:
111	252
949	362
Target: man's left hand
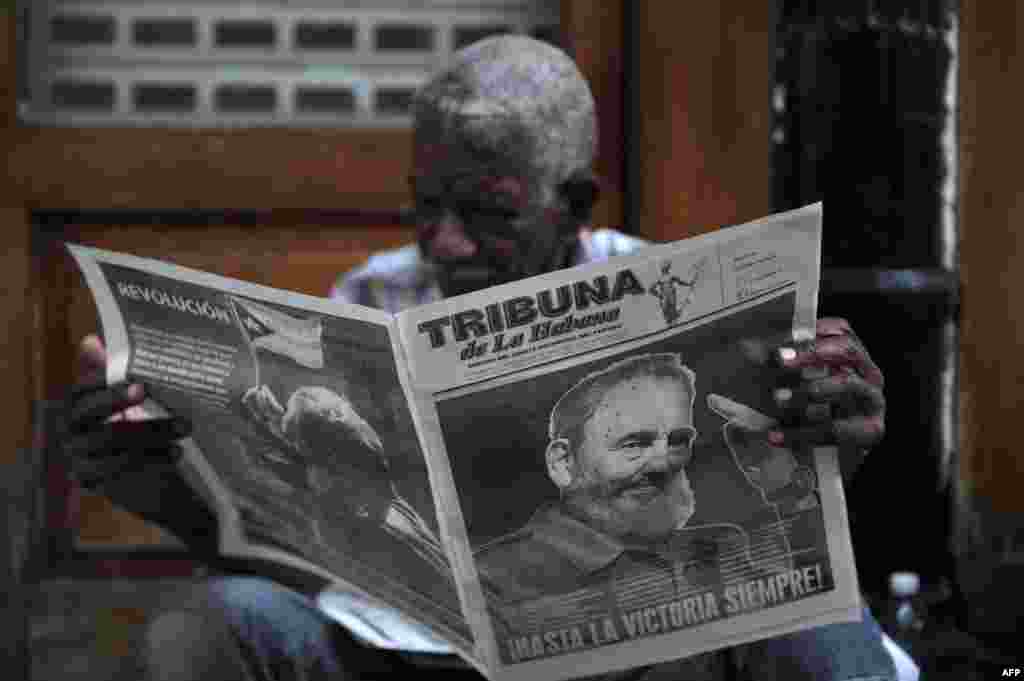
829	391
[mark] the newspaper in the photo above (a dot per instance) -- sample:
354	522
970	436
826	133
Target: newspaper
559	477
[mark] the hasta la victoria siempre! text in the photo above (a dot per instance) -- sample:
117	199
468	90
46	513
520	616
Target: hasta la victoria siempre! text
732	599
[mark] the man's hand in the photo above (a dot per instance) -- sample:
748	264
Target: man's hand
107	448
829	391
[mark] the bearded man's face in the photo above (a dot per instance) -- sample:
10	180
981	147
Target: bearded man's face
629	477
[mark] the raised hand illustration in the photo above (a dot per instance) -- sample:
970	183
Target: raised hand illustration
774	470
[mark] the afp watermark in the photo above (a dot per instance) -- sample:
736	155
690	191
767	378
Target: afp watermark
1013	672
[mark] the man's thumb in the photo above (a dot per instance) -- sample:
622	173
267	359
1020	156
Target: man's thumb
740	414
92	358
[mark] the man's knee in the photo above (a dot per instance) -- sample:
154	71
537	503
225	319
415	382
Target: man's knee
185	646
836	652
231	628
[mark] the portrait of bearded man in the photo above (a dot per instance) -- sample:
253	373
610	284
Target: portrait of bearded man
619	536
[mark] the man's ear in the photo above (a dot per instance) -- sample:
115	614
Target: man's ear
559	460
580	193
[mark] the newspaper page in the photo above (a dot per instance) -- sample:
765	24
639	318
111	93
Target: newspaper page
606	434
303	439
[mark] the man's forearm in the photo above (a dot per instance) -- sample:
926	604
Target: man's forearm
165	499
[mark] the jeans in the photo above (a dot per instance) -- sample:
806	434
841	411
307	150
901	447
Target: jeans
252	629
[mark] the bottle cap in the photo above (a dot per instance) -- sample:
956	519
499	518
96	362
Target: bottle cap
904	583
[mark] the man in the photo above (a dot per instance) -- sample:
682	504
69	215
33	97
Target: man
504	139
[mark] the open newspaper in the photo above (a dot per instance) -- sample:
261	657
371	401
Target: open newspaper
558	477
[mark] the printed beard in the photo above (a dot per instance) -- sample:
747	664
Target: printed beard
634	516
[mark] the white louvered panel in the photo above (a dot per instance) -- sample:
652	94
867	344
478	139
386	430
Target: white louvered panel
285	82
312	63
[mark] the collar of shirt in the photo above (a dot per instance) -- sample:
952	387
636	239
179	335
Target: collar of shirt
398	279
593	247
591	550
587	548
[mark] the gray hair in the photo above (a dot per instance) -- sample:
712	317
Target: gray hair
579	402
514	96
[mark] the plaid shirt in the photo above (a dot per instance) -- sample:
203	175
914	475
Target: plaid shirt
398	279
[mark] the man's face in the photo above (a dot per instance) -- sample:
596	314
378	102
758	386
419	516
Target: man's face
484	216
629	468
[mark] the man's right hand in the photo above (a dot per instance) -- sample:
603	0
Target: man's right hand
98	439
111	451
